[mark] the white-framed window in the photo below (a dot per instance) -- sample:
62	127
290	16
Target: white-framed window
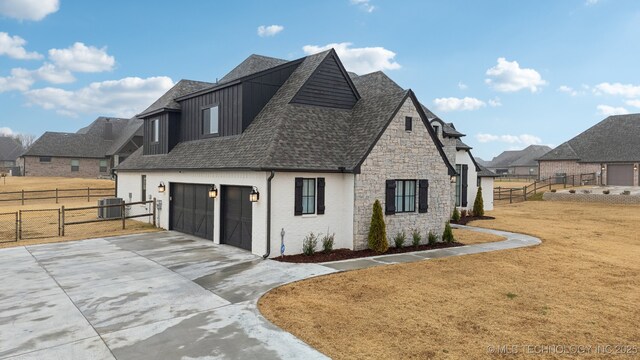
103	166
405	196
155	130
75	165
210	120
459	185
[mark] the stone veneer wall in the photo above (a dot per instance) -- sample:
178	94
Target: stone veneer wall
59	166
402	155
592	198
550	168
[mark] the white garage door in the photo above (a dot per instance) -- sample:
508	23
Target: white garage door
620	174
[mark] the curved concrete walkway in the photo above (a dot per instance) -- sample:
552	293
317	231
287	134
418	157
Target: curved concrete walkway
513	241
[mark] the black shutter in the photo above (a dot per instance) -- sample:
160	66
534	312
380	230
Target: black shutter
390	198
423	196
465	181
297	210
320	202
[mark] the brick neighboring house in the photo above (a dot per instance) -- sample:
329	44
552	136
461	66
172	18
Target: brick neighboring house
290	147
10	150
609	149
518	162
91	152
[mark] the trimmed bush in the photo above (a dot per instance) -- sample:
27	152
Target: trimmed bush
327	242
463	214
553	190
447	235
432	238
309	244
572	191
399	239
456	215
416	237
378	230
478	204
606	192
626	192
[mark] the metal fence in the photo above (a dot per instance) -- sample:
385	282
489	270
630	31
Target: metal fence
60	222
56	194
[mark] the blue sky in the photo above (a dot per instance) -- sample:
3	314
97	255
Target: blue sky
507	73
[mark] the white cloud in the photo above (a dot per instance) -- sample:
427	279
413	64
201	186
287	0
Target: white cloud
20	80
524	139
634	103
495	102
364	5
591	2
607	110
125	97
626	90
5	131
359	60
457	104
508	76
28	9
568	89
462	86
81	58
271	30
13	47
52	74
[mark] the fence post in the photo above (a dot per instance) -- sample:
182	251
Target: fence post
22	196
17	221
524	192
510	195
19	224
154	212
122	213
59	230
62	220
88	194
56	195
499	193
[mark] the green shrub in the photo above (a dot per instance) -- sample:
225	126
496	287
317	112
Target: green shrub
447	235
399	239
416	237
572	191
309	244
463	214
478	205
432	238
377	230
327	242
456	215
553	190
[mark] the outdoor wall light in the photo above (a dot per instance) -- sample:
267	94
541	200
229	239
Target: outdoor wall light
161	187
603	168
453	179
635	167
213	191
255	195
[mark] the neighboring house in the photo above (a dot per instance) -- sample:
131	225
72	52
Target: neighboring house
10	150
518	162
91	152
609	149
286	148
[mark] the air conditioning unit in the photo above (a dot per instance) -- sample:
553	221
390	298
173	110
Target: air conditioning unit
111	212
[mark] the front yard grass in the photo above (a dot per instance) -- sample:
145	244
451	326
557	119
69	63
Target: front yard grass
581	286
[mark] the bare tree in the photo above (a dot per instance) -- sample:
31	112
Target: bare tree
26	140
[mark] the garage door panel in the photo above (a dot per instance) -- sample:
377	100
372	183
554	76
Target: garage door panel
236	217
191	210
620	174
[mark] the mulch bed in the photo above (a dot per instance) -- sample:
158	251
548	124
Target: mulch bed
467	219
345	254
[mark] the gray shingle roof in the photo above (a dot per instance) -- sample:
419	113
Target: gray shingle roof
462	146
10	149
166	101
132	129
88	142
614	139
253	64
524	157
484	172
447	128
293	136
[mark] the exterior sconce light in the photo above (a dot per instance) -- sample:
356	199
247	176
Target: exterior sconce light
635	167
213	191
603	168
255	195
453	179
161	187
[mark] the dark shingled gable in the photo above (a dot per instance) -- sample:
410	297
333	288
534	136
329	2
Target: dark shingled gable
10	149
288	136
167	101
614	139
251	65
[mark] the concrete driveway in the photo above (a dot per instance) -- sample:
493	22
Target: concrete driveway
151	296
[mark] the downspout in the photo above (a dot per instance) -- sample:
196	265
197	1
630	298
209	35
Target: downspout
266	255
114	173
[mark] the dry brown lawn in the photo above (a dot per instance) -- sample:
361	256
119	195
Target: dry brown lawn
511	184
581	286
469	237
26	183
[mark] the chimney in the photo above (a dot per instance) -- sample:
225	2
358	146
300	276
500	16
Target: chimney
108	130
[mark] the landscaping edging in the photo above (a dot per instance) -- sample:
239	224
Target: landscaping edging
592	198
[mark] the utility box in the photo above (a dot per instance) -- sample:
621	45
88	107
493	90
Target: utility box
111	212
